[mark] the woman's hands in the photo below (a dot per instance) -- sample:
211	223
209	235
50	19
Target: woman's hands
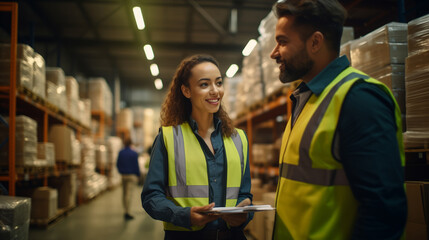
200	219
236	219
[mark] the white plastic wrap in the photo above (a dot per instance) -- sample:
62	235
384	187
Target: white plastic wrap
125	119
230	95
39	75
14	217
100	95
76	153
345	50
114	145
57	76
100	156
24	73
72	93
383	46
46	150
417	98
23	51
418	35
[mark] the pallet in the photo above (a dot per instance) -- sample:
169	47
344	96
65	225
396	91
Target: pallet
45	223
30	94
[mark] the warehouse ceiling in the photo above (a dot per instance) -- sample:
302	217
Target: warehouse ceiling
99	38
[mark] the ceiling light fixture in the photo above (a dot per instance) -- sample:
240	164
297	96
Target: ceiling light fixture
232	70
249	47
148	52
138	15
158	83
154	69
233	21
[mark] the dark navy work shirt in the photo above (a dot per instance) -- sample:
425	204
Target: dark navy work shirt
153	196
366	145
128	162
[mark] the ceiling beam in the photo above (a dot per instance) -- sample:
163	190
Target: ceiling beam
206	16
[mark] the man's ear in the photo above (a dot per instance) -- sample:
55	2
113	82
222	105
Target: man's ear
316	41
186	91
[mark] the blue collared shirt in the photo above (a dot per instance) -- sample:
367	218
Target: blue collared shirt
368	149
153	196
128	162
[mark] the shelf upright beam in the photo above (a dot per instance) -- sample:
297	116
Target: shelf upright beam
13	9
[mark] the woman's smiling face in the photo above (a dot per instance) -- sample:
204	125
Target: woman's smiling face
205	89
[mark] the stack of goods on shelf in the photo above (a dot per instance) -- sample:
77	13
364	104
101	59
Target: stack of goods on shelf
46	152
44	203
417	84
66	146
150	126
230	95
84	112
250	90
124	123
100	95
137	135
25	144
39	75
270	69
72	93
346	42
381	54
261	226
56	88
114	145
100	157
14	217
24	65
66	186
90	183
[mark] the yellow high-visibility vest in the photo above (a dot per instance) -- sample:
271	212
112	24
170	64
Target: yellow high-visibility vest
314	199
187	168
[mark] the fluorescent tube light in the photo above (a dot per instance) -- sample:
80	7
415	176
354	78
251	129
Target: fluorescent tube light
249	47
158	83
232	70
154	69
148	52
138	15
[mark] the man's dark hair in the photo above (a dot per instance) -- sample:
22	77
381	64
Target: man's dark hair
325	16
128	142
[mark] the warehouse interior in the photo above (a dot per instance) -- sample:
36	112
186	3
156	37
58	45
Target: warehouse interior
86	81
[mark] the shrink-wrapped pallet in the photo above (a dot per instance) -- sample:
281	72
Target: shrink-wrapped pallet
72	93
417	98
84	112
39	75
63	138
230	95
138	116
23	51
46	150
24	73
100	95
383	46
418	35
114	145
14	217
25	142
56	75
125	120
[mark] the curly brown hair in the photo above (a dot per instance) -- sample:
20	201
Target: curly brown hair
176	108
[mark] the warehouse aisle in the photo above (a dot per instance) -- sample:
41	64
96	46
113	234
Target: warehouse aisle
102	218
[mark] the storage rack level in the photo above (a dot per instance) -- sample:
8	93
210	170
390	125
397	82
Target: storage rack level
267	112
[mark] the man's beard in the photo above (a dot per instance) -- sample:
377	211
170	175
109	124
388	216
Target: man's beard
295	68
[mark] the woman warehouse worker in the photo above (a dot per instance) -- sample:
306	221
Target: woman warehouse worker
199	160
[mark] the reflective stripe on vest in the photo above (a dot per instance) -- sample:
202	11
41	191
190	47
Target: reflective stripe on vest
189	187
304	172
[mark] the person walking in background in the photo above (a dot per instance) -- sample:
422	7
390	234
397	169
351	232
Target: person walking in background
128	167
199	160
342	155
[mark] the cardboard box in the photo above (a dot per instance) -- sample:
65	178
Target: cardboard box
44	202
67	187
418	210
63	138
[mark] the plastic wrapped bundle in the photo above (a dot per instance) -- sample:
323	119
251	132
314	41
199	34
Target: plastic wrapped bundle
63	138
418	35
57	76
14	217
384	46
25	142
39	75
100	95
417	98
24	73
46	150
125	119
23	51
345	50
230	95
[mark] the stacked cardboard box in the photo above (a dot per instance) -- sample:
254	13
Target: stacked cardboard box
63	139
417	84
125	120
24	65
46	151
66	185
100	95
39	75
14	217
56	87
418	210
381	54
44	202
